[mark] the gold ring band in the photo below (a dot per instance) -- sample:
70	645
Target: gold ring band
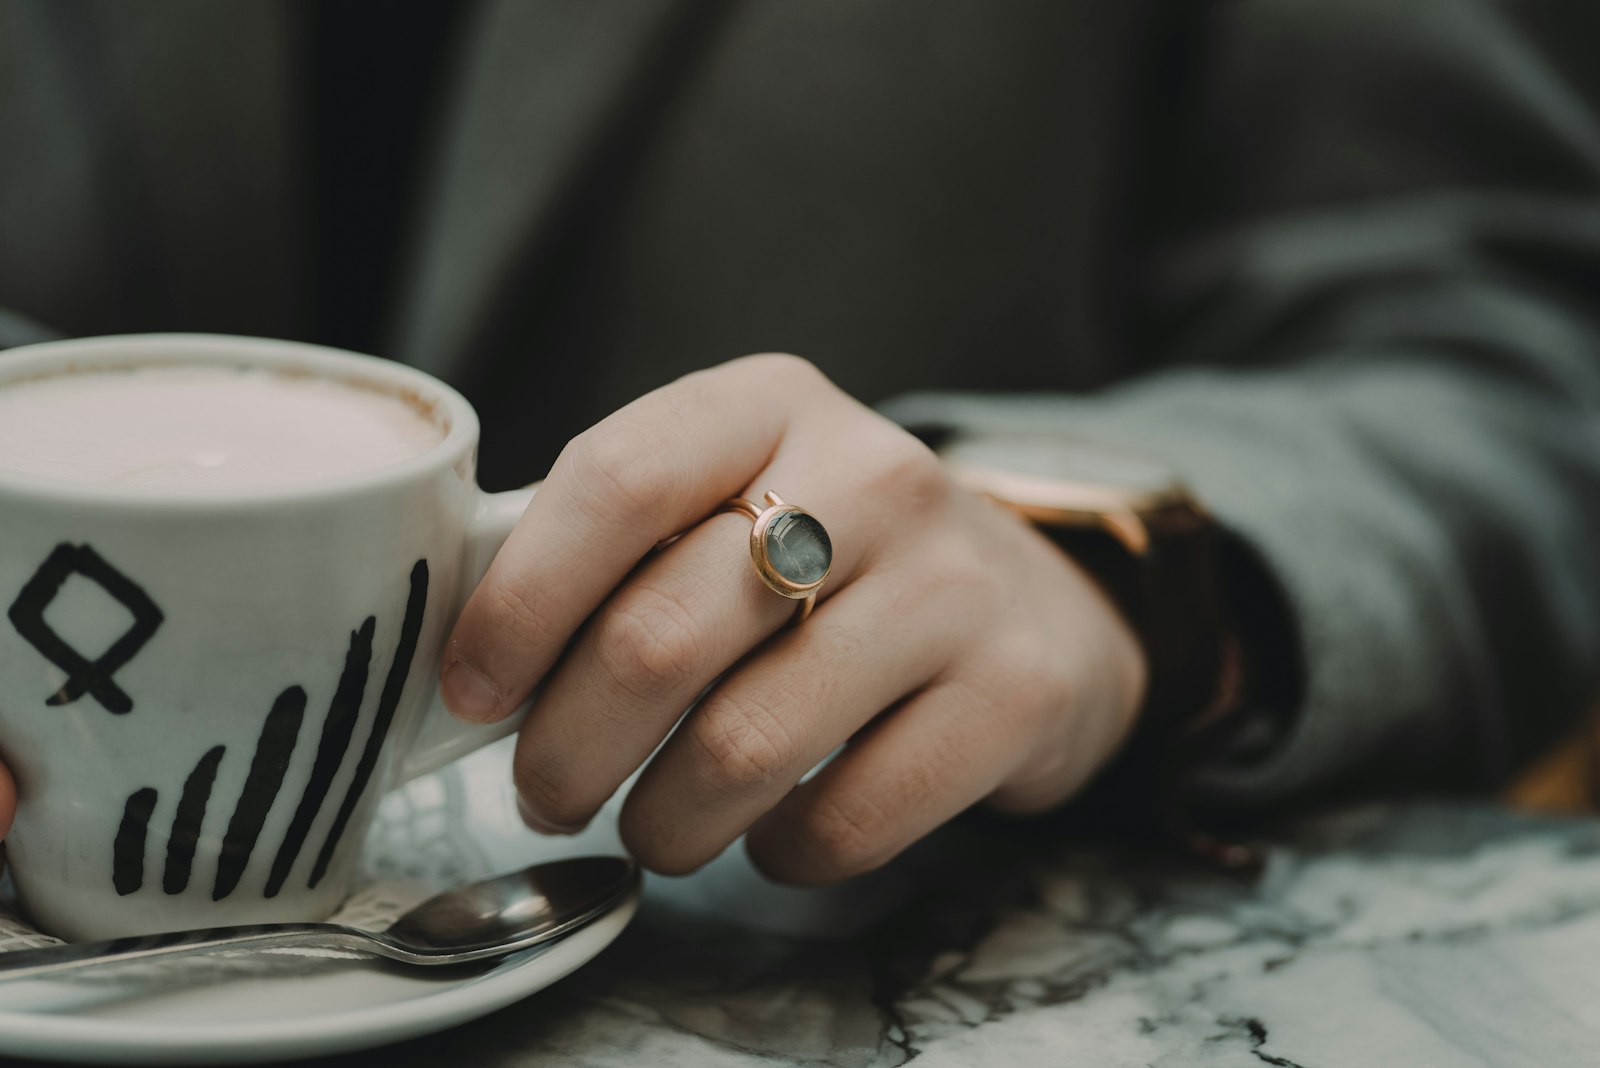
790	548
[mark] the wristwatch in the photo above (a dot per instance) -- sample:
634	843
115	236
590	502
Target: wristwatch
1137	529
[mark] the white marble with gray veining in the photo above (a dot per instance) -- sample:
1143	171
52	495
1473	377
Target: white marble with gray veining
1435	936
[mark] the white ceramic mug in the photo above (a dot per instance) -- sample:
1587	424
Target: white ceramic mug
203	692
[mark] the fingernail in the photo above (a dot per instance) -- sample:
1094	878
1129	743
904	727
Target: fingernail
536	822
468	693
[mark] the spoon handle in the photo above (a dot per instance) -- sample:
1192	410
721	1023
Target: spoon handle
33	963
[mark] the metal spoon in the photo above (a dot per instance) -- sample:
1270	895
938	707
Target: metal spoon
479	921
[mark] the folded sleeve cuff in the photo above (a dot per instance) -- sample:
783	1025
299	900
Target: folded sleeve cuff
1358	563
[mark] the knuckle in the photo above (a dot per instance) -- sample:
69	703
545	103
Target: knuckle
906	467
517	610
920	785
1033	674
648	645
784	366
612	470
1047	677
964	575
1019	659
541	783
743	745
660	841
846	835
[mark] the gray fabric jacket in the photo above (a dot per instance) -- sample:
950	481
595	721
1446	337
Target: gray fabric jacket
1339	263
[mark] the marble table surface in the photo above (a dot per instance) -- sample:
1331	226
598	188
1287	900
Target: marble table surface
1427	935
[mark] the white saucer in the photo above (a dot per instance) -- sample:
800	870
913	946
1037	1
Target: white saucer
438	831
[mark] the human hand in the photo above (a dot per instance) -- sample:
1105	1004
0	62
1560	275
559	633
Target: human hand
956	654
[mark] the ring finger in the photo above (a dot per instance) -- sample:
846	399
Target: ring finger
684	616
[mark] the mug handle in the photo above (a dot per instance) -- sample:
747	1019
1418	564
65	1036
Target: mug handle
442	738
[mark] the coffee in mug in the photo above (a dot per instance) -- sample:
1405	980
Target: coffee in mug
203	425
227	566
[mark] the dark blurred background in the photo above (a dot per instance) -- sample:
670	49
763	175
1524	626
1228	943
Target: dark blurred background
559	206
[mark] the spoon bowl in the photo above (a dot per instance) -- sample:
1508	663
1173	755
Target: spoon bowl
514	911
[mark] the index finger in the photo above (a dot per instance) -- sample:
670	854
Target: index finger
645	473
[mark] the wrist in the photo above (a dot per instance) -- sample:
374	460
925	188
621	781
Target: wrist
1208	617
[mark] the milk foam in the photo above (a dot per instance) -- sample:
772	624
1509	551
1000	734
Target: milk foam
189	427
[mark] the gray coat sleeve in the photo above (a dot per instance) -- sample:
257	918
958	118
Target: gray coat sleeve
1367	305
17	329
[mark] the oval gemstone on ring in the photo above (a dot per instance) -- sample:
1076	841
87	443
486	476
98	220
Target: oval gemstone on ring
799	548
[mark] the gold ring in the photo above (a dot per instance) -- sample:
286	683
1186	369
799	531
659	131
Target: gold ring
790	548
